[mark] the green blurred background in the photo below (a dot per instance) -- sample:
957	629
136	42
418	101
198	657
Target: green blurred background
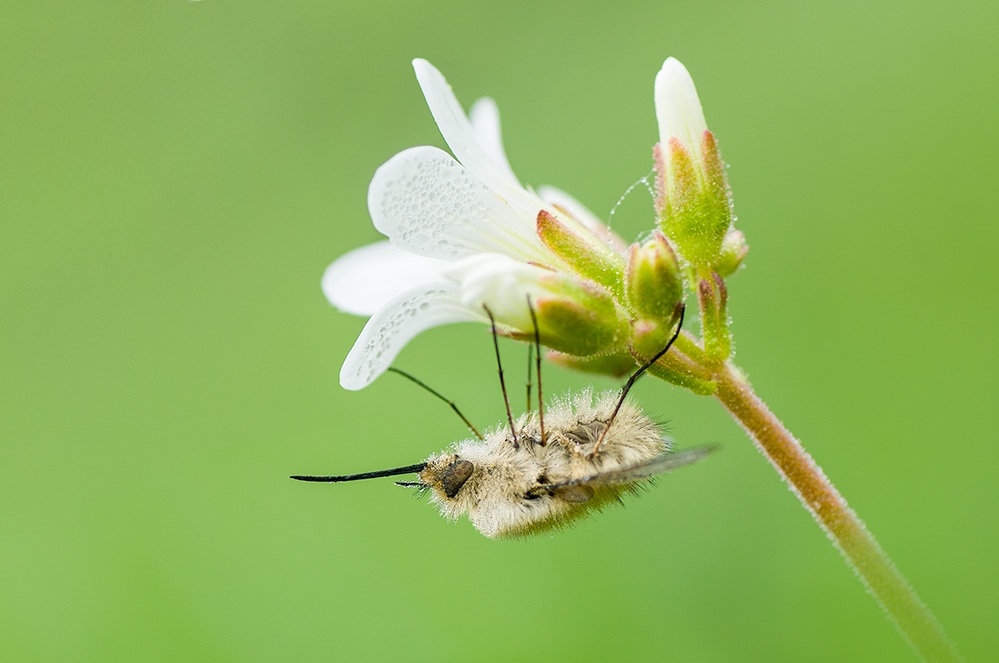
174	178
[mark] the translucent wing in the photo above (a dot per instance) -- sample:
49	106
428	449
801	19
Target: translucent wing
658	465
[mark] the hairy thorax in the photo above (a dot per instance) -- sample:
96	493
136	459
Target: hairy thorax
510	487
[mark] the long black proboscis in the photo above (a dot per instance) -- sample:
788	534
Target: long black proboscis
409	469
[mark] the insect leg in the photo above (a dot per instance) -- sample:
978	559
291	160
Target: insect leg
438	395
499	365
537	354
635	376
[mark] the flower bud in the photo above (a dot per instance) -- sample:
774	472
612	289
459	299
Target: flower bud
648	337
713	299
584	325
615	364
733	251
692	189
653	281
581	249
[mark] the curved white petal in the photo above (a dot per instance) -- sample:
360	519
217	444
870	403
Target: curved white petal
678	108
394	325
457	130
364	280
485	119
502	284
427	203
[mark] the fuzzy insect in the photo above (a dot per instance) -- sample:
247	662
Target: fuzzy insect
548	468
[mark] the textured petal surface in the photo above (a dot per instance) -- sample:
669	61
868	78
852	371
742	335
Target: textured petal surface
427	203
458	132
395	324
367	278
678	109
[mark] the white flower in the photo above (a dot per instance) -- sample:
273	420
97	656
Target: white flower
695	208
678	108
461	233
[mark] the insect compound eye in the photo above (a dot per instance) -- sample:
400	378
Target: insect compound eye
455	476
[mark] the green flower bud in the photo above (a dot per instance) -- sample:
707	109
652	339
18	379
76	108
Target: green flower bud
648	337
583	321
653	280
713	299
583	251
694	210
733	251
693	201
616	364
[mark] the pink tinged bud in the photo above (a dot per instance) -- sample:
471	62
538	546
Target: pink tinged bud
653	280
694	209
733	251
715	178
713	298
583	251
693	194
682	182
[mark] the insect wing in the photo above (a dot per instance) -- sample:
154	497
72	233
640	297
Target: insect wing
658	465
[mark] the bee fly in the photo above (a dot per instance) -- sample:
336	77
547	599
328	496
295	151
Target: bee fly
548	467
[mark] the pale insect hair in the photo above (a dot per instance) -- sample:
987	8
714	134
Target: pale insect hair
544	470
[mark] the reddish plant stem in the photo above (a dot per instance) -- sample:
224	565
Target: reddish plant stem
847	532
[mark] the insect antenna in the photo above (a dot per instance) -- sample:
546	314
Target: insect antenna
440	396
409	469
634	376
537	354
499	365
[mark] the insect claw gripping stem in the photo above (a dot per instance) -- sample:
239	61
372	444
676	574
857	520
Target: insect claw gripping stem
499	366
634	376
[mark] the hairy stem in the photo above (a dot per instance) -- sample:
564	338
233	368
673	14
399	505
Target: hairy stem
847	532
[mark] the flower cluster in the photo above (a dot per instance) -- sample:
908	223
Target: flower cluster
467	240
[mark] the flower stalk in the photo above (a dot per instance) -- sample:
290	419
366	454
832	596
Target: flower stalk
845	529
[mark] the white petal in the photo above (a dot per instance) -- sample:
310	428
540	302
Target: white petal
502	284
427	203
364	280
457	130
485	119
678	108
388	330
